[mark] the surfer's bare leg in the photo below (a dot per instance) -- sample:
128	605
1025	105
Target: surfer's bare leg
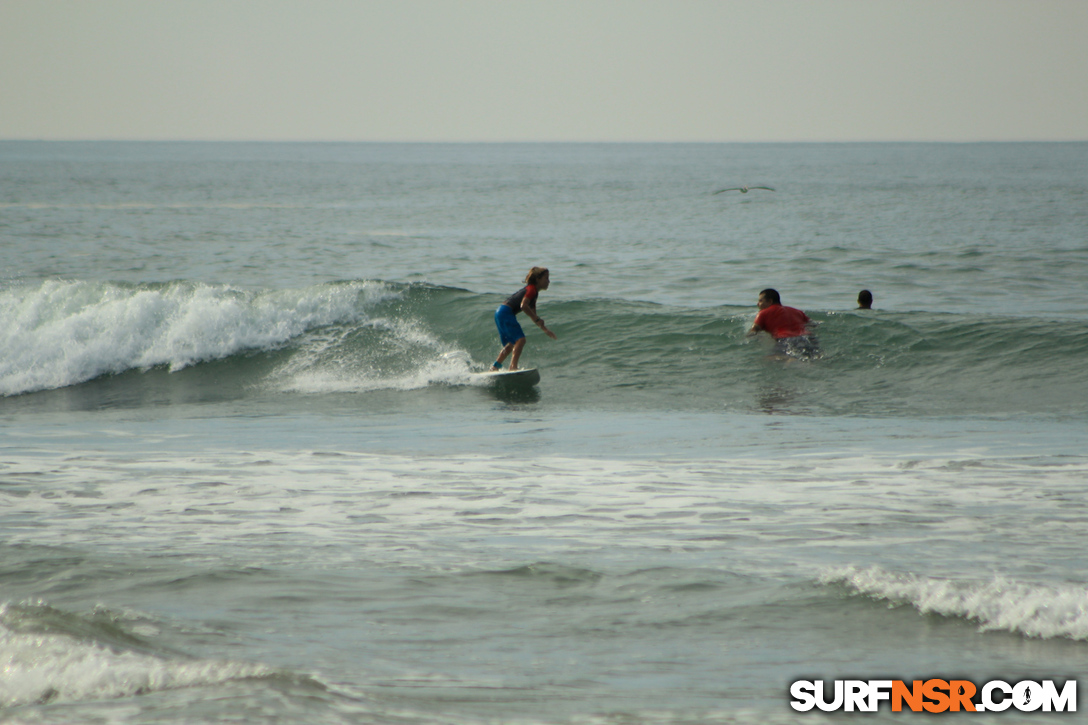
506	350
518	346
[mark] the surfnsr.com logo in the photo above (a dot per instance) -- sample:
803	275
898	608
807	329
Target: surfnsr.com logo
934	696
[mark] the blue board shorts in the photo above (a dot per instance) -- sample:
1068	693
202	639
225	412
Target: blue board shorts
509	328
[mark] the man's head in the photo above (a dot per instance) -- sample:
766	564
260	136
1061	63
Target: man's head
767	298
865	299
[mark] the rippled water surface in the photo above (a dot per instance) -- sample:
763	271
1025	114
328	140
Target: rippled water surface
247	473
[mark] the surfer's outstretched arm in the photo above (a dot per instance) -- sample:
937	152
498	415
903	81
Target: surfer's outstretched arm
530	309
540	323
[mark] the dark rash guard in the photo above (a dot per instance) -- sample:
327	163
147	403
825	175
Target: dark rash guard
529	292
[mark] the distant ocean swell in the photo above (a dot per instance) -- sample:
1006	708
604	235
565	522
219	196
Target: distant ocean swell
356	336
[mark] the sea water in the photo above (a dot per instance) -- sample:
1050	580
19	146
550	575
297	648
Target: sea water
246	473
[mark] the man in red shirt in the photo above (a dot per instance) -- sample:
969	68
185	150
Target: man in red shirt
787	325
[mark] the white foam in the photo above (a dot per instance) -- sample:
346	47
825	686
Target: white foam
65	332
40	667
1034	610
325	364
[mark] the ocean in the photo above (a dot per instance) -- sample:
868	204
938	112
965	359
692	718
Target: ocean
247	473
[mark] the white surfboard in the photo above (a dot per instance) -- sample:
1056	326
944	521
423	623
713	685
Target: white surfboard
521	376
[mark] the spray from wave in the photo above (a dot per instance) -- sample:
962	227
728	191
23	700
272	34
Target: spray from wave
62	333
380	354
1034	610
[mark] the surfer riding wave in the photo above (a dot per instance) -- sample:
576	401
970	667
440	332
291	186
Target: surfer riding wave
511	335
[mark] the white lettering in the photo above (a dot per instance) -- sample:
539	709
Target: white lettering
1027	696
987	696
857	695
879	690
994	696
834	704
1064	702
804	695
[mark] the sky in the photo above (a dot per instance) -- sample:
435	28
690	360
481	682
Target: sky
544	70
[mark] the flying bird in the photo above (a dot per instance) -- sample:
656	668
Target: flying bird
744	189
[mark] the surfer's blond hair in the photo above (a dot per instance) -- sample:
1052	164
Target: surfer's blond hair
534	274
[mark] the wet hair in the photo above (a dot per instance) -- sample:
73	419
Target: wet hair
772	295
865	298
534	274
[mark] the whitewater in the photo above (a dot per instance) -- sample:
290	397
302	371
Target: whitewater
246	472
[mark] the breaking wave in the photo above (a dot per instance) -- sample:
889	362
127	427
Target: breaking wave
1034	610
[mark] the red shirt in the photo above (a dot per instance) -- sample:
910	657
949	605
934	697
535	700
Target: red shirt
782	321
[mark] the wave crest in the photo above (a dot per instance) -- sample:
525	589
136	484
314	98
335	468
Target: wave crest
62	333
43	663
1034	610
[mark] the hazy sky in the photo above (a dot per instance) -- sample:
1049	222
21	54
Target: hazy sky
545	70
